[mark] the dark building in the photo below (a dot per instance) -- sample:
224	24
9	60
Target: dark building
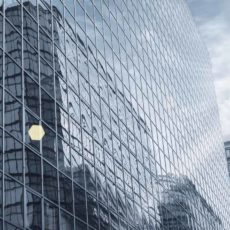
227	152
183	208
123	92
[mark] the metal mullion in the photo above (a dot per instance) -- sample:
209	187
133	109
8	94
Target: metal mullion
40	114
83	159
67	85
55	112
102	123
91	133
3	114
23	121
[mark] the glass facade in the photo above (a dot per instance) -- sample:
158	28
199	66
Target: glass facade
124	93
227	152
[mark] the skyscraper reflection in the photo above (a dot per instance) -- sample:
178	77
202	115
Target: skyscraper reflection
182	206
121	104
227	152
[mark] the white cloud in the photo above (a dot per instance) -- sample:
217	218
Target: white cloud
223	97
217	37
215	29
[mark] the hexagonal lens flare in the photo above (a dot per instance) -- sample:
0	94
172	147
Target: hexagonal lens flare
36	132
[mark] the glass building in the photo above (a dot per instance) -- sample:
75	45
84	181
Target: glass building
227	152
124	93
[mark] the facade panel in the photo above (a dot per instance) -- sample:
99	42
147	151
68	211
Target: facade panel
124	93
227	152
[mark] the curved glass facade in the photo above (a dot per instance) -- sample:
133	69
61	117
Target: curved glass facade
124	93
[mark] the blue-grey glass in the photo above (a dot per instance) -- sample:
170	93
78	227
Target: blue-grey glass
13	157
31	94
64	157
34	211
33	175
13	208
13	77
66	195
92	211
1	105
31	7
61	92
1	149
48	108
46	75
58	10
30	29
31	61
1	194
1	66
13	17
66	221
51	220
13	116
1	29
123	92
80	225
8	226
62	123
49	146
50	182
13	42
80	202
45	19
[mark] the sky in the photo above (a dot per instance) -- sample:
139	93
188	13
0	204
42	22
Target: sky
213	20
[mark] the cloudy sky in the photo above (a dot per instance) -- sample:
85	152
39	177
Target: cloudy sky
213	20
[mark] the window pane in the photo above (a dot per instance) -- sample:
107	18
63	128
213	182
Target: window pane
48	109
33	170
1	195
30	28
92	211
51	217
45	47
10	227
13	41
31	61
104	218
47	77
1	149
13	157
34	211
77	167
80	225
1	26
1	57
50	182
13	116
66	221
62	123
31	94
66	198
16	20
30	7
13	202
49	145
64	157
80	202
13	77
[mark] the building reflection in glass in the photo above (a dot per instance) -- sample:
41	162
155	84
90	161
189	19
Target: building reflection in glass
227	152
110	130
182	207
